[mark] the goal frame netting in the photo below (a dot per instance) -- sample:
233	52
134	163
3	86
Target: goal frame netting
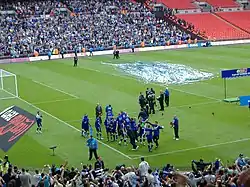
6	74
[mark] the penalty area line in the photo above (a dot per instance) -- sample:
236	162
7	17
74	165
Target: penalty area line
56	89
194	148
72	127
54	101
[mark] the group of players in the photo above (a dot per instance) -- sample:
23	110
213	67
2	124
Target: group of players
123	128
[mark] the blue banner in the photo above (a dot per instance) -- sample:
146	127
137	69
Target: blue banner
234	73
244	100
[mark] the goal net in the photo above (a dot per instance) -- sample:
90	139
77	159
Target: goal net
8	85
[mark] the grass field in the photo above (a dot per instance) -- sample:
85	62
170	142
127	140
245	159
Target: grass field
64	93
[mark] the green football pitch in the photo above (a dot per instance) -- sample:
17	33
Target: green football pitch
64	94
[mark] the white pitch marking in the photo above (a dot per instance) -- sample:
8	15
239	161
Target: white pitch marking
70	126
51	87
65	123
53	101
195	148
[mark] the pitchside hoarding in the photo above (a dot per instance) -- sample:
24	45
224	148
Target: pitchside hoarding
14	123
234	73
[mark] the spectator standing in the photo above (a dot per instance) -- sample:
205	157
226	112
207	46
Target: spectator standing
36	178
99	163
150	179
210	178
130	177
240	162
7	176
25	178
93	146
2	183
143	167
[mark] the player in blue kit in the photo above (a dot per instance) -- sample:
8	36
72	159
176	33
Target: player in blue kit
134	128
109	111
85	126
149	136
121	129
98	123
156	132
108	128
114	134
39	122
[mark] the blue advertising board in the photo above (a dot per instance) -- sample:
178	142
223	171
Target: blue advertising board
234	73
244	100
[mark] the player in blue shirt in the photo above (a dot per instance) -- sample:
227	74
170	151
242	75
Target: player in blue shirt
98	123
175	125
149	136
85	126
39	122
123	115
134	128
249	104
141	132
108	128
109	111
156	132
121	129
114	134
167	94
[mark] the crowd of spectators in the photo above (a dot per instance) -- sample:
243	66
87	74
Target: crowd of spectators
77	24
212	174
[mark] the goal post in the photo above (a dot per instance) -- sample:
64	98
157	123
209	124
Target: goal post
8	85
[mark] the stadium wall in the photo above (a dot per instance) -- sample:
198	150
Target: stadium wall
122	51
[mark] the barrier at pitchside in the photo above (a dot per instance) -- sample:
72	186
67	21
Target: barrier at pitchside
110	52
244	100
233	73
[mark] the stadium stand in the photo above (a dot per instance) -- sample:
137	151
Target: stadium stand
221	3
213	26
240	19
204	174
41	25
178	4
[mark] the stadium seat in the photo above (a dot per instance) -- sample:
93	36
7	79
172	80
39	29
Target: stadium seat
222	3
214	26
240	19
179	4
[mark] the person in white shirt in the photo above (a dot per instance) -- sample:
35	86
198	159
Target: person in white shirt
150	179
36	178
210	178
143	167
130	177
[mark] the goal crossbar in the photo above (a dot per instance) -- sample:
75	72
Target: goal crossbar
8	85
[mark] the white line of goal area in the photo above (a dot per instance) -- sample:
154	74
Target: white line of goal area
67	124
51	87
191	149
72	127
54	101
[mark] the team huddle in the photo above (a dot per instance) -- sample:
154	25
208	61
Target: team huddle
123	128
